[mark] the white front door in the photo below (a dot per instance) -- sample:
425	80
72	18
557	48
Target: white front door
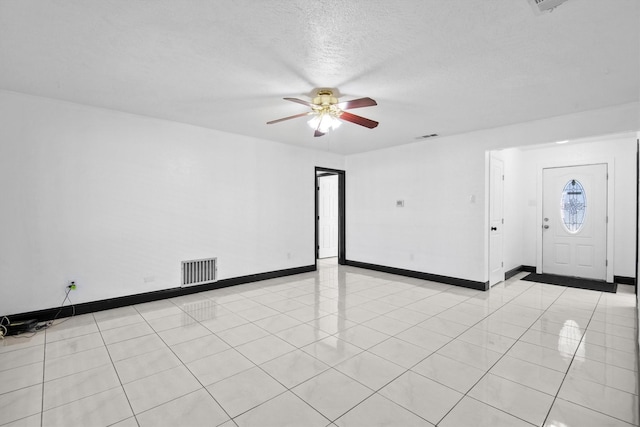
574	221
496	201
328	216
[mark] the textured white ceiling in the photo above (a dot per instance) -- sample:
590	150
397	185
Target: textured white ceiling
433	66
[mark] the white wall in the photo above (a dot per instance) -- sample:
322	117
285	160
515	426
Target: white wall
115	201
440	230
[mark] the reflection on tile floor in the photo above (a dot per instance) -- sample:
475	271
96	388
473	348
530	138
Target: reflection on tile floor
338	347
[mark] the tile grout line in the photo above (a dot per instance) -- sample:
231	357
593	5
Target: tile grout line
44	367
529	328
571	363
117	375
42	383
376	392
165	370
468	327
486	371
432	353
296	348
314	376
287	389
42	410
500	358
569	368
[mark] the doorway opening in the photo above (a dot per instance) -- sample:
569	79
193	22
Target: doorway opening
575	220
329	187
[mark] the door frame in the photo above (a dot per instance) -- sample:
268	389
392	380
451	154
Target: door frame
584	161
493	156
342	255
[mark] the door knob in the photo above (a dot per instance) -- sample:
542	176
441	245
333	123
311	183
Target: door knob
545	226
494	228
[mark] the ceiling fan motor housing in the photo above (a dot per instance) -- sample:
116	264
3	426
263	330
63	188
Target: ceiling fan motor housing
325	103
325	97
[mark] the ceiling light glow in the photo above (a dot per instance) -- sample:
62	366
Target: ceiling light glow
324	122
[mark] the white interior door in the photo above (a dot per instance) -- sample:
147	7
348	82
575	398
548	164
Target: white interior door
574	221
328	216
496	210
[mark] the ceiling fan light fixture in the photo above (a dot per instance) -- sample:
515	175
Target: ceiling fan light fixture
324	122
327	113
313	123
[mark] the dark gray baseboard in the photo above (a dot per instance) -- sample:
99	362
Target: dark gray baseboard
93	306
481	286
528	268
625	280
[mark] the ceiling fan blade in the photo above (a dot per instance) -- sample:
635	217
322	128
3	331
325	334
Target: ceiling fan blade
299	101
317	132
357	103
288	118
362	121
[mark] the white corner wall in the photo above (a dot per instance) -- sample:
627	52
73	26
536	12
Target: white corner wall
115	201
442	228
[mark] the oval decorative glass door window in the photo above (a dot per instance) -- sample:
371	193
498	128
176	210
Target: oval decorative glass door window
573	206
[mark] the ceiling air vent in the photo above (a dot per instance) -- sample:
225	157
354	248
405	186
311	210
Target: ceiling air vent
432	135
541	6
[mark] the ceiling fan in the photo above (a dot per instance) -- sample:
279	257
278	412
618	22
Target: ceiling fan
327	112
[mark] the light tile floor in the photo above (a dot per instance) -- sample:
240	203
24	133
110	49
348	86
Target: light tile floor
338	347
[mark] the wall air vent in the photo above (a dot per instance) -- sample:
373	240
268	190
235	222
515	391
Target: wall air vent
431	135
199	271
541	6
